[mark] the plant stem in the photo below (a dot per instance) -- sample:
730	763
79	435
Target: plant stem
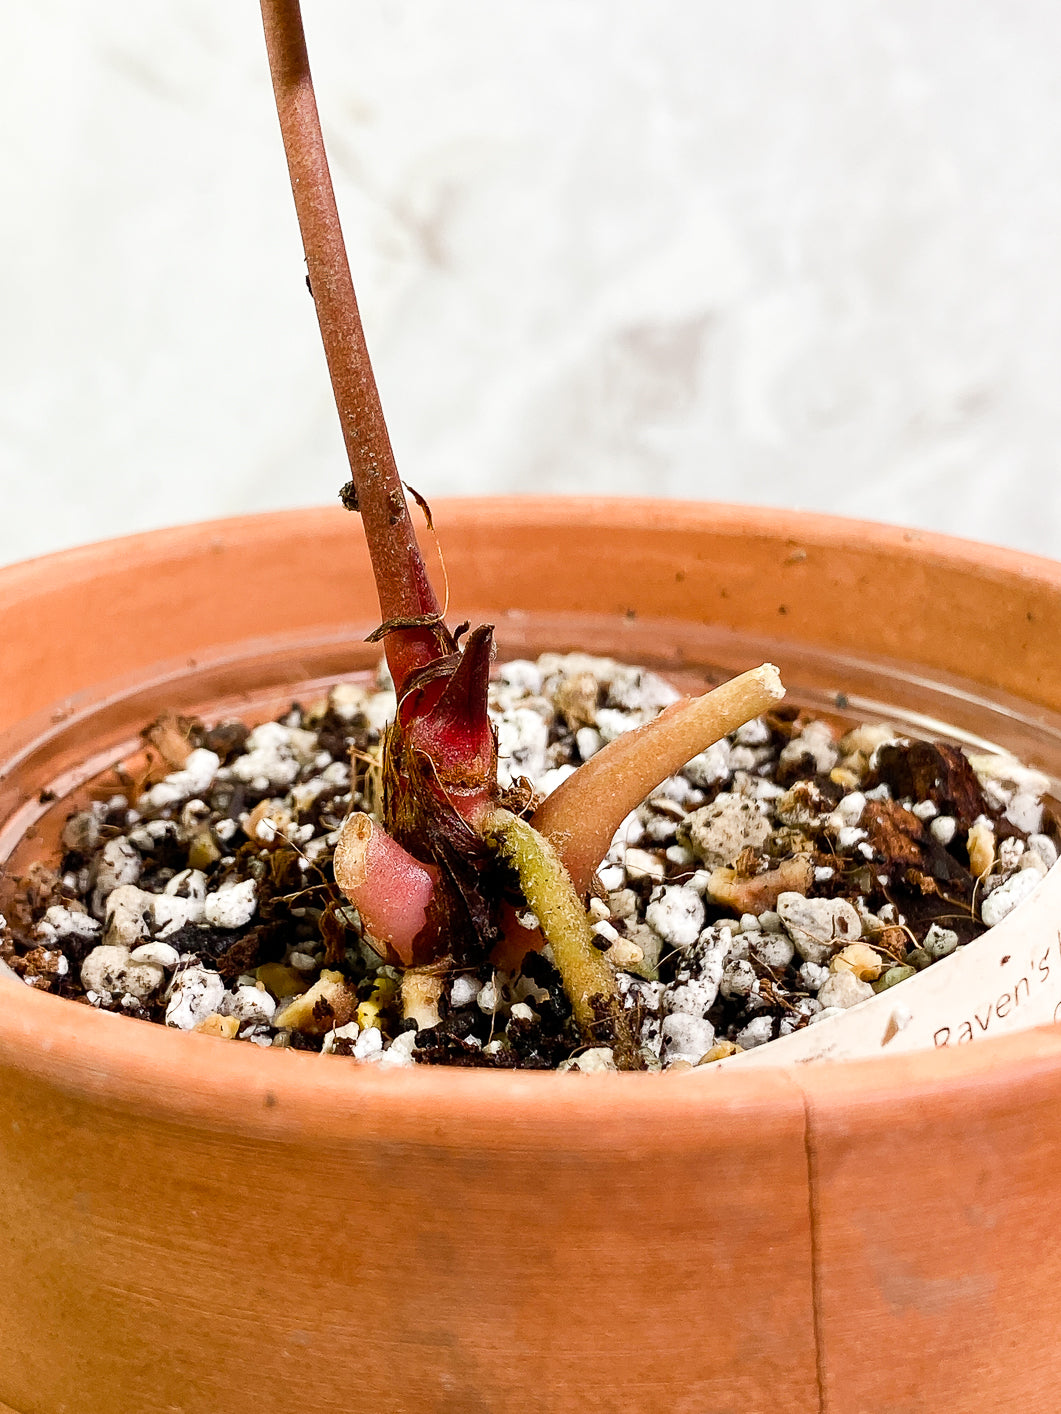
583	813
588	980
401	579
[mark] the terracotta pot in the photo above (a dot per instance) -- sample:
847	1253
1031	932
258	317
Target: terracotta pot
192	1225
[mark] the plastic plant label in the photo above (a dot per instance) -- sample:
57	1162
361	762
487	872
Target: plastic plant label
1007	980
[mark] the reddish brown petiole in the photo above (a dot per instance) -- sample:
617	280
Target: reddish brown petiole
401	579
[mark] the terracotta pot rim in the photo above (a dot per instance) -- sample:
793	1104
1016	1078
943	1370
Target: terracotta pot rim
146	1065
816	527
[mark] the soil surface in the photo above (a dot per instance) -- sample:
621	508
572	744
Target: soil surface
790	872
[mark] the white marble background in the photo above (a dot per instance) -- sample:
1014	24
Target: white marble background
793	253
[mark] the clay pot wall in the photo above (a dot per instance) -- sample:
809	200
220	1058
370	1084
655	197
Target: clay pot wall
191	1225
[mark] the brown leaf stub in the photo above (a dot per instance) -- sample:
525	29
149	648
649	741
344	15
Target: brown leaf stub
925	770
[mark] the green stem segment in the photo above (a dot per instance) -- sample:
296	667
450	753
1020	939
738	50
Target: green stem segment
589	981
401	579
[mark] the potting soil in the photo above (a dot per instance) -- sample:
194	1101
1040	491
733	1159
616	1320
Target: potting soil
786	874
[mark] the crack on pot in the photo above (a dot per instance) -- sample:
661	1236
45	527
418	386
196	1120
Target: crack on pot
814	1218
